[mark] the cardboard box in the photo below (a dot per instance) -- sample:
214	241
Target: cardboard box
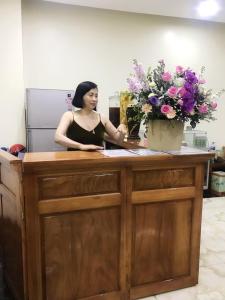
218	183
223	152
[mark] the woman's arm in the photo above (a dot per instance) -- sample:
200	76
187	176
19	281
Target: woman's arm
62	139
118	133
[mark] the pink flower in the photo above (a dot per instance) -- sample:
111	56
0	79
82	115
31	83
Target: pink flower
166	76
179	70
201	81
203	109
165	109
180	102
213	104
172	91
171	114
182	91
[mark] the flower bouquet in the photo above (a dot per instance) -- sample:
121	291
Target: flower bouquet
175	97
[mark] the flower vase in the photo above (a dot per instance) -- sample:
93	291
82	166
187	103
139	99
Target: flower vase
133	125
165	135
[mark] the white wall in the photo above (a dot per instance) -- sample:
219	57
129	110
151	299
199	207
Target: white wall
64	45
11	74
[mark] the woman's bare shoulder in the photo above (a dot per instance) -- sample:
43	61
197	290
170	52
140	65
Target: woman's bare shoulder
104	119
68	115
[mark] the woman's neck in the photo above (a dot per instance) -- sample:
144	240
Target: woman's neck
86	112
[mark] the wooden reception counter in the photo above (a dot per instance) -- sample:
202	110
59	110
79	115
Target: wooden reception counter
110	226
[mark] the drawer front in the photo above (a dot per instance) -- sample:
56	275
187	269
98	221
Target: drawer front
159	179
79	184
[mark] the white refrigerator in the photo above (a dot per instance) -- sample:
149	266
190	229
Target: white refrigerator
44	108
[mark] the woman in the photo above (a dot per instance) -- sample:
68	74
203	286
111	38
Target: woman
84	129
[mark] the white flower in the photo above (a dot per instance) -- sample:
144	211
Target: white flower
201	89
151	95
152	84
215	97
179	82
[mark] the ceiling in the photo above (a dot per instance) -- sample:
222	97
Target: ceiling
172	8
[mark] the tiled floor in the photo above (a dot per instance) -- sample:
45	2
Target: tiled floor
212	261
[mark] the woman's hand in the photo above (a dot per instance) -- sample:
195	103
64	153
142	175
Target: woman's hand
122	129
121	132
84	147
118	134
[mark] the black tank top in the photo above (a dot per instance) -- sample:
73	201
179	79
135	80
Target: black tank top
78	134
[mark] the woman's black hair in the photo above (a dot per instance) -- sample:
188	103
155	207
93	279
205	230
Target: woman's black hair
81	90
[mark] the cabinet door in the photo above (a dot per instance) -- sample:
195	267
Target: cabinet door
165	226
81	236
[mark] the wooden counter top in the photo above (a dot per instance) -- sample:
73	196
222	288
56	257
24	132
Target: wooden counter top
120	155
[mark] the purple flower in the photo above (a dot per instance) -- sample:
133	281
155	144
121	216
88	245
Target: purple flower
189	87
153	100
134	85
188	103
139	71
188	106
188	100
145	86
187	95
190	77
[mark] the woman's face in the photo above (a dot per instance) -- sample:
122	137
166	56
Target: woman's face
90	99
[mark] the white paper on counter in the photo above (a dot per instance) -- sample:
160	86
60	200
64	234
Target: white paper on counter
145	152
186	150
117	153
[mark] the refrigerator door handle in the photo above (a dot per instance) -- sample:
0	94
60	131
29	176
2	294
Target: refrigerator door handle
29	141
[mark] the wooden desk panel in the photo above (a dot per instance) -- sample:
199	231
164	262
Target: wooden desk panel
163	178
81	183
161	242
81	253
109	228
